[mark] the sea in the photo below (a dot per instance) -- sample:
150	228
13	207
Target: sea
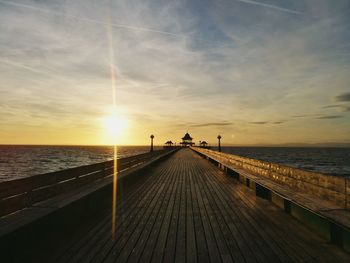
18	161
331	161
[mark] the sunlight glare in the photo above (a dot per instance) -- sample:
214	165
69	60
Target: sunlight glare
115	124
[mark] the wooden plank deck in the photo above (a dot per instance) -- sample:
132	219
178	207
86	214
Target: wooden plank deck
187	210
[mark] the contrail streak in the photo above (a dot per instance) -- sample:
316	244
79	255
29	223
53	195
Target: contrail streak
19	65
32	69
271	7
134	28
110	24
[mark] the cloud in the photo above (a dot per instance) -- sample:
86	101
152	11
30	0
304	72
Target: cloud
331	117
343	97
259	122
331	106
345	108
211	124
299	116
252	63
277	122
86	19
339	107
266	122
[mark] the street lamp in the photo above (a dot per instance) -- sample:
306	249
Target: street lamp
152	136
219	138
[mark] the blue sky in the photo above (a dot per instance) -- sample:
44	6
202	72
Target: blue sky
258	72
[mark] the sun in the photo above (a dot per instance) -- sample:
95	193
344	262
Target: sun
114	126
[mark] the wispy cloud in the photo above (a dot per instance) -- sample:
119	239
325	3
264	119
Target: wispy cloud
339	107
332	106
331	117
345	108
278	122
299	116
275	7
86	19
343	97
259	122
266	122
211	124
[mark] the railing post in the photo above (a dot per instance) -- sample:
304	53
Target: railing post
152	137
104	174
346	192
29	194
29	198
219	138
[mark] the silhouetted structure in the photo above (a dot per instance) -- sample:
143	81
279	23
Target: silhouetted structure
203	144
168	144
219	146
187	140
152	137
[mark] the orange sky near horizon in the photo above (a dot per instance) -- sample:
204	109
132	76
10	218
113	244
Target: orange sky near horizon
138	134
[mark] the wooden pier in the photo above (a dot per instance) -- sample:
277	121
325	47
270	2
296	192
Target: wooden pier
181	209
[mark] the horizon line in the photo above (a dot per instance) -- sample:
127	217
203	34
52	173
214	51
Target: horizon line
291	145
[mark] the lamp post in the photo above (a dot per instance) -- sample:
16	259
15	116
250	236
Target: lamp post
219	138
152	136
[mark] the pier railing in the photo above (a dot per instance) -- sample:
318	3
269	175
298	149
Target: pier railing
21	193
335	189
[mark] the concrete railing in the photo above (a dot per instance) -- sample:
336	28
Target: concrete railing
335	189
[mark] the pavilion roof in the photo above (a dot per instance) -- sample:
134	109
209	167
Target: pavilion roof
187	137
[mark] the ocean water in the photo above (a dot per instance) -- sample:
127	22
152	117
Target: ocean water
23	161
332	161
18	161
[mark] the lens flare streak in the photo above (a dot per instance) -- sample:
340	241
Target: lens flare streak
115	155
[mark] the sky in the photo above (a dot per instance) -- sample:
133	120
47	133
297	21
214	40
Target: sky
256	72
